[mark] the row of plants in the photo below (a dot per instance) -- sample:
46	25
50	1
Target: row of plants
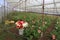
56	31
35	28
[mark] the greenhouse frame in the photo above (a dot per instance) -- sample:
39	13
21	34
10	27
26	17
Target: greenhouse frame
29	19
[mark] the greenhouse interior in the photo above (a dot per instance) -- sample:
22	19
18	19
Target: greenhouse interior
29	19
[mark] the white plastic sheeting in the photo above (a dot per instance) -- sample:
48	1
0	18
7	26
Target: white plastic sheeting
4	9
34	5
12	0
30	5
4	12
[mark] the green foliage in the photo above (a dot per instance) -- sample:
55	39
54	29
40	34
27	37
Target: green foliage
56	31
35	23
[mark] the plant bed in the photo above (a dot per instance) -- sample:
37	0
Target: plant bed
35	28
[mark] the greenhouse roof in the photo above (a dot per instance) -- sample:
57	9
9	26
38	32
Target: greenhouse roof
33	5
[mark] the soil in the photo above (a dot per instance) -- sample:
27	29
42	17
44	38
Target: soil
14	30
9	38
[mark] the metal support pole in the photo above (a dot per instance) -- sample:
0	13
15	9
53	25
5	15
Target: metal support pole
4	9
25	5
3	12
43	14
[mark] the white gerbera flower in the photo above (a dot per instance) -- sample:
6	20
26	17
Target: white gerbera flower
57	22
25	24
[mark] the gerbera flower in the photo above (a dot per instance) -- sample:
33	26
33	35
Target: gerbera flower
12	21
57	22
39	31
53	36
